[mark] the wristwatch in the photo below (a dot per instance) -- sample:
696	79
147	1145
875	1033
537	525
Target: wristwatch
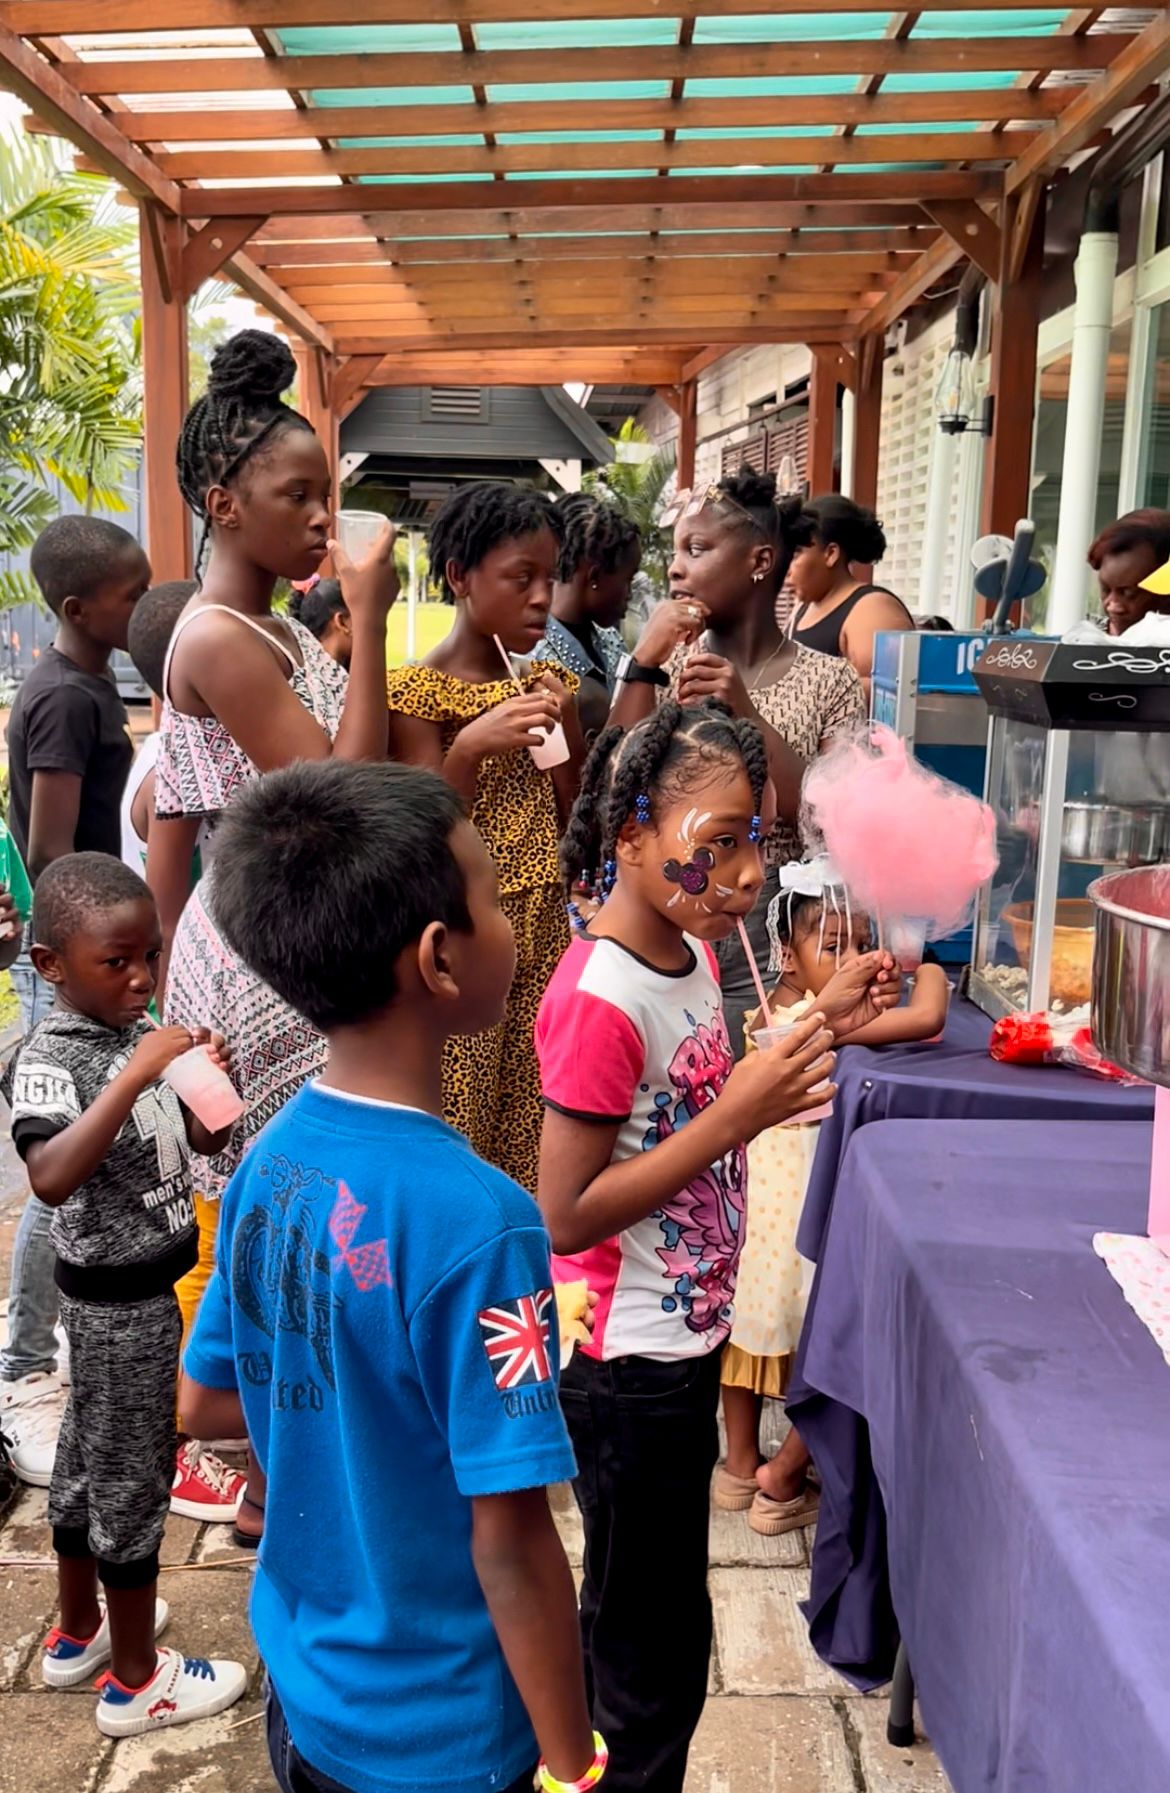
632	672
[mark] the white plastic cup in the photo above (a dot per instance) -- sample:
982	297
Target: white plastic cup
766	1037
906	939
357	531
553	752
208	1092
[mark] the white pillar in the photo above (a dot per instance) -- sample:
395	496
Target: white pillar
848	425
933	597
1092	327
411	597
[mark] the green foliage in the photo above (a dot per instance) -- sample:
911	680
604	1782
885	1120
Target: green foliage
638	486
69	396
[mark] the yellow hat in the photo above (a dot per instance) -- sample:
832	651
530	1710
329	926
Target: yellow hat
1158	582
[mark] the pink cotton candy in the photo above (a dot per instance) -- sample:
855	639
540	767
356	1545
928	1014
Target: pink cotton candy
904	841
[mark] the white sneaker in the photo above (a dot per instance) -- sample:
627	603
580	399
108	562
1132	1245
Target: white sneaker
204	1487
31	1412
68	1661
181	1688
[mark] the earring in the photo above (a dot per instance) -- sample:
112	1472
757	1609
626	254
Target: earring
757	578
754	831
642	808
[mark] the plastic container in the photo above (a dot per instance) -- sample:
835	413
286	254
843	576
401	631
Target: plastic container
357	531
208	1092
905	937
555	750
772	1036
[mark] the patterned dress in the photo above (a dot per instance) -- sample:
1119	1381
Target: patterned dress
491	1084
200	768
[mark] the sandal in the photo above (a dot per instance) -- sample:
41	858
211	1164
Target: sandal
772	1518
733	1493
248	1540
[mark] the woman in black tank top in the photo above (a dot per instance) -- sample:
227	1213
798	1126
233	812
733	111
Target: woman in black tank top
839	614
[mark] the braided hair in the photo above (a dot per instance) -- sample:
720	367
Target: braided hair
476	517
752	505
596	533
656	759
240	411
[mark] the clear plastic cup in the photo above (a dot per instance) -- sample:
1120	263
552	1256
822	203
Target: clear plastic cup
772	1036
208	1092
357	531
554	751
906	938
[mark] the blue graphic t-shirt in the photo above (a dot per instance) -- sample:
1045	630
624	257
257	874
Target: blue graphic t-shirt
383	1303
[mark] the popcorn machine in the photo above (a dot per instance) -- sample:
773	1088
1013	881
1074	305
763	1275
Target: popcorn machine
1078	775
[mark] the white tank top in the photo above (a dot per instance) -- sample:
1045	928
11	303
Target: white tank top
133	849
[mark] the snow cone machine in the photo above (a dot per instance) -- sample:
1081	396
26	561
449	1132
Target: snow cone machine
1078	775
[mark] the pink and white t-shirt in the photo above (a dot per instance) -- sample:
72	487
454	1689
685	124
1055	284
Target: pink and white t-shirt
620	1041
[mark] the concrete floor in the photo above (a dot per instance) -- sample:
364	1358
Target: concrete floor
777	1720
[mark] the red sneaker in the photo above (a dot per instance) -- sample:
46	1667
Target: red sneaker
205	1487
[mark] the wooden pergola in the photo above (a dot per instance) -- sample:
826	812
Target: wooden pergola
612	191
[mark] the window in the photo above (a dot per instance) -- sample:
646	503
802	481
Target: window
1154	467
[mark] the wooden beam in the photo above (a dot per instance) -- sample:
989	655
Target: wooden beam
210	248
671	397
316	259
688	425
45	89
487	217
1022	215
61	18
315	400
969	226
263	289
991	104
1142	60
614	196
521	367
653	62
795	330
350	378
714	273
867	420
702	361
841	362
929	268
165	395
1007	483
822	424
536	158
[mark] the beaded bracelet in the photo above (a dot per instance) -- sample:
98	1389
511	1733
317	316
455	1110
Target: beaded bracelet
590	1777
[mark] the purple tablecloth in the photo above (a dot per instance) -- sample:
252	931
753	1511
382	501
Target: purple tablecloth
954	1080
1018	1416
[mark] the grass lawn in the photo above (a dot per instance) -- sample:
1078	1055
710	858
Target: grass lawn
9	1007
432	623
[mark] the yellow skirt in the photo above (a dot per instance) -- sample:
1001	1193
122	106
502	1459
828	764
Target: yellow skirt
190	1289
766	1376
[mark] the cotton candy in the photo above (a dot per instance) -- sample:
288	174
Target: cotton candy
903	841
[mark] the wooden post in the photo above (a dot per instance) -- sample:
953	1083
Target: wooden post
315	400
867	426
688	423
165	394
1007	483
822	423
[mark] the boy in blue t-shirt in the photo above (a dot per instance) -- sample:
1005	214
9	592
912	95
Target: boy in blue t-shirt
383	1306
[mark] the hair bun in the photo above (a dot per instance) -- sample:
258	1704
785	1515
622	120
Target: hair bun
755	491
252	366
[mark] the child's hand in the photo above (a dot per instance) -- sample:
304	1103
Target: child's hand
156	1050
557	692
370	587
9	916
859	992
218	1050
710	675
770	1087
671	624
520	722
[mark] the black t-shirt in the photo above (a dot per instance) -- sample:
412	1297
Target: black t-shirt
68	720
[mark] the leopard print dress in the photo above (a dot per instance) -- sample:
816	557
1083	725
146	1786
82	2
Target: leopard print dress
491	1082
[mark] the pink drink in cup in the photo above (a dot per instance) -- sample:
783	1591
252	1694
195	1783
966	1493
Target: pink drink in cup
772	1036
555	750
207	1091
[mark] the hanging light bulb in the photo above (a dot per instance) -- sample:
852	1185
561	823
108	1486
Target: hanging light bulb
955	395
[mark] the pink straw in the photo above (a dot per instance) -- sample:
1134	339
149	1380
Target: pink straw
506	657
750	956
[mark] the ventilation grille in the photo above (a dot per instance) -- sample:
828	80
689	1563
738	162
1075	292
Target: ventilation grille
457	404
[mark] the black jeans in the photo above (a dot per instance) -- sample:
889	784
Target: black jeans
293	1774
646	1438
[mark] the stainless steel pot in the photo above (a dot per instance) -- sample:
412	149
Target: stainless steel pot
1131	971
1098	833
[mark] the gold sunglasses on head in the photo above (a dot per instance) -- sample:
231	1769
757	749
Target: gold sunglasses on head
694	499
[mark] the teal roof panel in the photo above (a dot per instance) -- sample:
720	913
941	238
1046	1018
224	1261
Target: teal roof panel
342	40
800	27
577	34
392	96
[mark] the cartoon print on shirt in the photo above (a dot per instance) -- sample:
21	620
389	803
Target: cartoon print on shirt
702	1229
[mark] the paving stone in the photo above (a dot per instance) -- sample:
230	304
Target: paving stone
889	1770
770	1746
217	1755
215	1546
568	1518
762	1637
26	1528
179	1540
48	1744
734	1543
28	1600
209	1613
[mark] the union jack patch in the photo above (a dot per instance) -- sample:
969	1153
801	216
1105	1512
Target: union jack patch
515	1338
